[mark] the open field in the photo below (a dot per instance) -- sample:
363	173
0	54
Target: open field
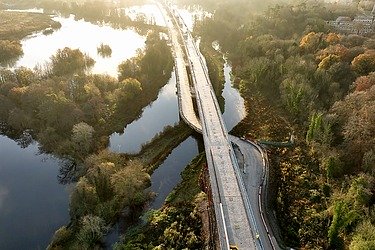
16	25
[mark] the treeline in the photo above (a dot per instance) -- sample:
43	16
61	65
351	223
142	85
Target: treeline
56	98
99	12
322	83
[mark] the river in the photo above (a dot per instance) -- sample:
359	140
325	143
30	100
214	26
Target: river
32	202
159	114
79	34
33	205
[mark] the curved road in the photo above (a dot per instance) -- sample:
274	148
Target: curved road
253	171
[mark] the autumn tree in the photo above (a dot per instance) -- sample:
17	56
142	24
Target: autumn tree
364	63
82	137
130	182
311	42
363	83
69	61
10	50
83	200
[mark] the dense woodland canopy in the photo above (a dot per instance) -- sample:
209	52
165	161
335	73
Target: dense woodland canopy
322	85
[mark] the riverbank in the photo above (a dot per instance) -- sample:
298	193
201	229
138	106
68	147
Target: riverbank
17	25
154	152
150	157
178	224
215	62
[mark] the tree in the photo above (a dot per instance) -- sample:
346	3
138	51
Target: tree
311	42
104	50
319	130
363	83
361	191
337	49
333	38
82	137
354	119
70	61
368	161
129	183
99	176
93	229
328	61
364	237
10	50
342	217
25	76
129	69
364	63
83	200
296	95
59	112
333	166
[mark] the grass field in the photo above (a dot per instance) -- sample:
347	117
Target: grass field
17	25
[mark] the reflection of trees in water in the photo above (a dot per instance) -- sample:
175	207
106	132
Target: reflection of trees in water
25	139
22	138
10	52
10	62
68	171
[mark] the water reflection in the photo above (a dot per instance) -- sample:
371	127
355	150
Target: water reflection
191	14
150	11
32	203
160	113
234	109
167	176
163	180
85	36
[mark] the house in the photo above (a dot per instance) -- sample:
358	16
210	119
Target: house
361	25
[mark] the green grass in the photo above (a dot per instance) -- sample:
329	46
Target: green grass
188	188
154	152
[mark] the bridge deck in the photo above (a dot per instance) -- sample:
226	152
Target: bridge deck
233	217
220	158
185	100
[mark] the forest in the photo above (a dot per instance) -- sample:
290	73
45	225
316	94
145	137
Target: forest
298	73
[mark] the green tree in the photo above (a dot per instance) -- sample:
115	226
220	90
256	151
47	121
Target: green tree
296	95
343	216
364	237
82	137
83	200
93	229
70	61
129	69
